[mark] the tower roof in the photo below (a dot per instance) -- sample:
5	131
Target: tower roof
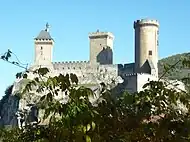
150	64
44	34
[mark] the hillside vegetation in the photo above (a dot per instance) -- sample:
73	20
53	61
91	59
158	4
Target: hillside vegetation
179	72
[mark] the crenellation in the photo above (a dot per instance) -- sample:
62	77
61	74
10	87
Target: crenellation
101	34
131	74
70	62
146	22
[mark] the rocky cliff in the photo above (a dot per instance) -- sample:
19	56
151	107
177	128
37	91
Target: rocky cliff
16	109
8	108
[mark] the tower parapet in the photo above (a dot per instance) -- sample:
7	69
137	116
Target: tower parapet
101	35
146	22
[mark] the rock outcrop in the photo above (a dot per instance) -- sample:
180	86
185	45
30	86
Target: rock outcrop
17	109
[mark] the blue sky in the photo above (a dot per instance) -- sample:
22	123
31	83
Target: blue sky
72	20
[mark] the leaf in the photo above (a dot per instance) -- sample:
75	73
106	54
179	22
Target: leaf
74	78
19	75
145	85
3	57
63	87
88	139
25	75
66	80
94	111
88	127
8	55
93	126
43	71
33	83
84	129
36	79
56	93
42	98
49	97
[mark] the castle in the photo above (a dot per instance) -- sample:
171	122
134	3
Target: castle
135	74
100	68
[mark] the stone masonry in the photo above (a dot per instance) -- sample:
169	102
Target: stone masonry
101	56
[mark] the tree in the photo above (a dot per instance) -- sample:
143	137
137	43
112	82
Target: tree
157	114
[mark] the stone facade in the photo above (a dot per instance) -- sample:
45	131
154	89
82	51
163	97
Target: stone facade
101	56
101	47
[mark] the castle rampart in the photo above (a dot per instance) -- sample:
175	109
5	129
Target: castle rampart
100	63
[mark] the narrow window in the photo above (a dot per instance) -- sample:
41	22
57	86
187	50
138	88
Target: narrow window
150	52
41	50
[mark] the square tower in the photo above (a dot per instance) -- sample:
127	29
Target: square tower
101	47
43	47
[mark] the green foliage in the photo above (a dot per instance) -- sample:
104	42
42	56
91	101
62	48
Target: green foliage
6	56
157	114
178	71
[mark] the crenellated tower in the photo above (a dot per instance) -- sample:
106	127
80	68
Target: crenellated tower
146	46
101	47
43	48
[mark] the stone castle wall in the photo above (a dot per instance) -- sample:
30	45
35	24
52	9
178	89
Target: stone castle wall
85	67
86	72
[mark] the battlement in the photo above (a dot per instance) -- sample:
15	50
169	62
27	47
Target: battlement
70	65
71	62
146	22
135	74
131	74
100	35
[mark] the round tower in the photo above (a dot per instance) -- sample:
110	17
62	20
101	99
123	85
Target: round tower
146	46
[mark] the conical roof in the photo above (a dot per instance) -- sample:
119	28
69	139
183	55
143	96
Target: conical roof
44	34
